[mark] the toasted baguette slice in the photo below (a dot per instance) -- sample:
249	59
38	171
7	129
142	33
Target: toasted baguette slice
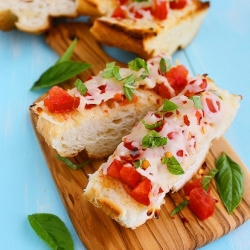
189	130
34	16
147	37
104	115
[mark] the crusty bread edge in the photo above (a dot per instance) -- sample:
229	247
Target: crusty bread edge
137	40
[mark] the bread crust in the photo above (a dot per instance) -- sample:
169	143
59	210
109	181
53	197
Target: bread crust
151	39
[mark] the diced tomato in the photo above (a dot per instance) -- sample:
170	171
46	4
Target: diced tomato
141	192
191	185
203	85
130	176
177	4
139	15
128	145
211	105
179	153
114	168
177	77
102	88
160	10
119	13
59	101
201	203
89	106
163	91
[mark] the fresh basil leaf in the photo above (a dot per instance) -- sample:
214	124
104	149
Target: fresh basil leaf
81	87
108	71
138	163
173	165
70	164
128	87
165	65
169	106
207	178
152	140
197	101
229	181
69	52
116	73
52	230
152	126
59	73
179	207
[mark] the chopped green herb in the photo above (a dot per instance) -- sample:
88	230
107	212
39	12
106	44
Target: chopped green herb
173	165
138	163
52	230
169	106
179	207
137	64
153	140
116	73
108	71
197	101
128	87
70	164
229	181
207	178
152	126
81	87
165	65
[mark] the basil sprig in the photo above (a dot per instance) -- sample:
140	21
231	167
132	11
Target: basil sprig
63	70
138	163
70	164
52	230
174	167
152	140
179	207
229	182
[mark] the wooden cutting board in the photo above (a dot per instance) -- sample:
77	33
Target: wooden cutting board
95	229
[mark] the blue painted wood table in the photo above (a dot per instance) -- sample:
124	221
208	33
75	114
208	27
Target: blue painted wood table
221	49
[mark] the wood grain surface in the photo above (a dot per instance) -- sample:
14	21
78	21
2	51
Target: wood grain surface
95	229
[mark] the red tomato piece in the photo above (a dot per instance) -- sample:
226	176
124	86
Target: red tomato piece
201	203
59	101
114	169
191	185
119	13
177	4
177	77
102	88
160	10
163	91
179	153
141	192
130	176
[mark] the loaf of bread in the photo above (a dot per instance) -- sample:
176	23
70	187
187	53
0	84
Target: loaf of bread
137	26
34	16
162	153
112	105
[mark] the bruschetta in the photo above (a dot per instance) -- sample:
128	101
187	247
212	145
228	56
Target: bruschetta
163	151
116	99
148	28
